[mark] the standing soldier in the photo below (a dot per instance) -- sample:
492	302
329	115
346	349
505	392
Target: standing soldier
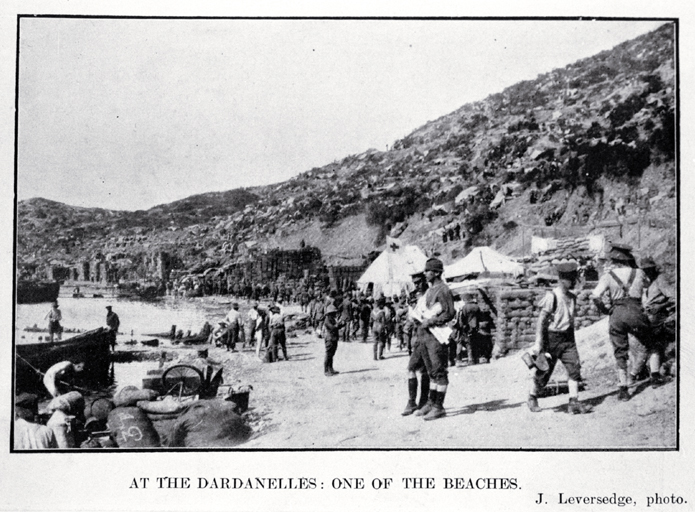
379	328
332	328
624	285
555	336
660	309
113	323
419	361
365	318
345	317
439	303
233	321
277	335
54	316
401	314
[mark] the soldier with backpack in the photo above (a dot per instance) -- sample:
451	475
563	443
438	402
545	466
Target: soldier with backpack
623	285
555	338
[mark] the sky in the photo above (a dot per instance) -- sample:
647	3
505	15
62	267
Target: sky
127	114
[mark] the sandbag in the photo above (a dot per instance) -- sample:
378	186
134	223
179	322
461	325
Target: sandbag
130	395
131	428
69	403
99	408
208	424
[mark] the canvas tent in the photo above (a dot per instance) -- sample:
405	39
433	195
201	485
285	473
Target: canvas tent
483	260
390	273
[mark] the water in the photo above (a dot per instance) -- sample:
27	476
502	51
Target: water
138	321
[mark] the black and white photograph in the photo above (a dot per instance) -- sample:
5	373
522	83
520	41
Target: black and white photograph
383	245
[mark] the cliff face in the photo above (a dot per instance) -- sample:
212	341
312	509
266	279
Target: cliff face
587	148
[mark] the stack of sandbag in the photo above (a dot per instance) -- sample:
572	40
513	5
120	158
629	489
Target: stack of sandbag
517	316
586	313
209	423
566	249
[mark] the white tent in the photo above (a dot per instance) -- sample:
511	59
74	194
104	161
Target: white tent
391	272
480	260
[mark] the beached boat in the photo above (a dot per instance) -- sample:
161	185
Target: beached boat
91	348
33	292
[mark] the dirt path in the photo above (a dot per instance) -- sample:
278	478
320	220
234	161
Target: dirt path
293	405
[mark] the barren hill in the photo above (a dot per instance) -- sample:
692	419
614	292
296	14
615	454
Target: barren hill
583	149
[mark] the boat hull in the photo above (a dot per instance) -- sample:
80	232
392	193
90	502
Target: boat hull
91	348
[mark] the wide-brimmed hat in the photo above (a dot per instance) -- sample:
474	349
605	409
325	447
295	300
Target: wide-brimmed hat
331	309
620	252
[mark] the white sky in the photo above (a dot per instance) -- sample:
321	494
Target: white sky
128	114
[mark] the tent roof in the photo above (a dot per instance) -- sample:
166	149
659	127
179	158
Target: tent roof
391	271
483	259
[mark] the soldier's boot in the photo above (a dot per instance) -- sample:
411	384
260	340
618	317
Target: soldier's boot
424	390
656	379
532	403
576	407
425	409
437	407
623	394
411	406
381	350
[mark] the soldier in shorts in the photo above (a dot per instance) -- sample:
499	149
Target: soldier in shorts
555	336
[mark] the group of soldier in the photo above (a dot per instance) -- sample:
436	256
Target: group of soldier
631	295
627	292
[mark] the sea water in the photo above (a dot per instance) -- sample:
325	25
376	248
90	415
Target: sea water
139	320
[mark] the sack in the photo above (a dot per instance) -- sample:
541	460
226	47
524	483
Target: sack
131	428
130	395
209	424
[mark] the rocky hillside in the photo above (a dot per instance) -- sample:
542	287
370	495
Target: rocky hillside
587	148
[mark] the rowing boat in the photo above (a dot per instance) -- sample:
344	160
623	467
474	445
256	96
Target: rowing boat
91	348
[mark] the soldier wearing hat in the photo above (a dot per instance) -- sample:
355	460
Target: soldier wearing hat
623	285
277	335
233	320
332	328
418	364
113	323
555	337
54	317
659	308
438	300
379	328
28	434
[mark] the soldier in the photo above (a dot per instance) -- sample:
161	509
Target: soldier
113	323
379	329
624	285
418	364
555	336
332	328
277	335
439	306
365	318
660	309
54	316
233	321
